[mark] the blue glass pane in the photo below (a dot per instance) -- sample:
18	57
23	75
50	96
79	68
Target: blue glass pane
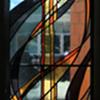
14	3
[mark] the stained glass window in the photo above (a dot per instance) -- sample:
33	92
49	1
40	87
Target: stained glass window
51	51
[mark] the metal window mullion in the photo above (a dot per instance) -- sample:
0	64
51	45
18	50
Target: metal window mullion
61	44
39	43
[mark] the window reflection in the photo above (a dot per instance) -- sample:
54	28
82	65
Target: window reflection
14	3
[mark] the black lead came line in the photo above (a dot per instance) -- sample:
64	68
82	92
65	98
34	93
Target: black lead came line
15	61
21	10
47	71
67	5
86	26
74	88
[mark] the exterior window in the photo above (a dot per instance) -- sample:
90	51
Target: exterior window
66	43
57	44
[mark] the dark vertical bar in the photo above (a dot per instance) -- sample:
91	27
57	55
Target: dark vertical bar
4	50
96	24
43	50
92	47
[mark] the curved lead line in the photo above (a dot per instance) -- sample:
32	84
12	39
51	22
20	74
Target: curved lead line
24	46
59	62
87	19
25	87
22	19
78	48
64	8
83	36
40	25
21	50
89	96
86	93
86	26
55	83
54	68
68	56
19	53
74	89
32	81
15	63
21	9
67	5
49	3
18	57
86	22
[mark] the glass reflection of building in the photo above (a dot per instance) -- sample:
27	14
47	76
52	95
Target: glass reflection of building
32	53
61	42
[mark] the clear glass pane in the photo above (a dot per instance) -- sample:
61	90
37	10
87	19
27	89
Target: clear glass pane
34	93
14	3
25	31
